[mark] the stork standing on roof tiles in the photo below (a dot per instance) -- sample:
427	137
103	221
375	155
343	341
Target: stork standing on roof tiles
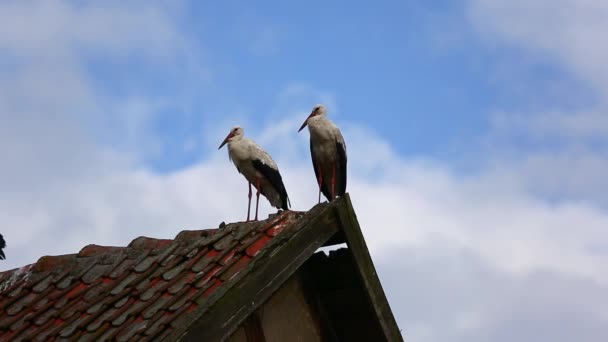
258	168
328	152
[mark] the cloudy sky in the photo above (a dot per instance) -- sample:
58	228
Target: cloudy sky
477	134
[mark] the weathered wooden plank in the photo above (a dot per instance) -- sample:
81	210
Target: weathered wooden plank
265	275
367	272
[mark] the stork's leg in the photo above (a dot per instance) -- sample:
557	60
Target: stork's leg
333	182
249	204
257	199
320	183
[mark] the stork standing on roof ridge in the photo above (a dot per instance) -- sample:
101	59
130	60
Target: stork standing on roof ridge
328	152
258	168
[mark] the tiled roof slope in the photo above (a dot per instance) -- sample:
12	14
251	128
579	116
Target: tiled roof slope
137	292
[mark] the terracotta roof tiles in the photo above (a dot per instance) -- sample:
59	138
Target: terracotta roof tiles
136	292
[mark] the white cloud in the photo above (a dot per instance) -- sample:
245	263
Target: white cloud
567	31
555	126
567	34
54	29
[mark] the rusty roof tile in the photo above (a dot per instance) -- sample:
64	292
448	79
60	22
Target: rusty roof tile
71	310
17	325
40	303
123	283
95	273
214	285
20	304
43	284
145	264
108	332
112	259
172	273
27	335
91	250
101	320
274	231
225	242
157	323
75	324
136	254
50	263
65	282
14	292
235	268
44	316
157	285
188	235
186	294
208	275
12	334
147	243
6	321
226	258
60	303
166	253
208	258
76	290
126	334
192	253
95	308
179	284
121	268
122	302
128	311
257	245
140	284
95	291
157	305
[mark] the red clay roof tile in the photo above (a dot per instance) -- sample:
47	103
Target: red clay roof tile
128	293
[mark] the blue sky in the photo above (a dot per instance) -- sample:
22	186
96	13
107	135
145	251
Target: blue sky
417	73
476	134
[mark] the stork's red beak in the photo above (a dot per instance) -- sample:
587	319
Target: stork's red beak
230	135
306	121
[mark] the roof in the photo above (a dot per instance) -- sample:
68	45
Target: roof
194	285
122	292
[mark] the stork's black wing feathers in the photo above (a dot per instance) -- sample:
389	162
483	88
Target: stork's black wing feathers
324	188
341	172
274	177
2	245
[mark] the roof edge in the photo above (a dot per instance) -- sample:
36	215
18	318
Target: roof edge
367	271
266	274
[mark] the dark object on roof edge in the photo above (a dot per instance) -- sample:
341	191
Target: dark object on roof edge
2	246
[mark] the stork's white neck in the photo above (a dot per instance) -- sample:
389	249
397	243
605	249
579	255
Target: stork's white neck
320	127
319	122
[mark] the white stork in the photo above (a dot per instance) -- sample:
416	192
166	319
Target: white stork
258	168
328	152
